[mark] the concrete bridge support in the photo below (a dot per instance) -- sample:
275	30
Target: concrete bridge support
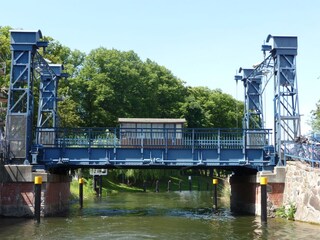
246	195
17	192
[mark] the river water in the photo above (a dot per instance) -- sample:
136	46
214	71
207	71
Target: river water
174	215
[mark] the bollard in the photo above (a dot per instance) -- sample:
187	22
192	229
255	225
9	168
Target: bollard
157	186
190	183
169	182
180	182
144	186
263	189
37	197
100	185
215	195
81	192
95	184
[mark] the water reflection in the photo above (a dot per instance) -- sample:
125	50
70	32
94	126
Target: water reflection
174	215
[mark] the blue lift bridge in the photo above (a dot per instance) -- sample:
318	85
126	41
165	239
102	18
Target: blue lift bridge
49	146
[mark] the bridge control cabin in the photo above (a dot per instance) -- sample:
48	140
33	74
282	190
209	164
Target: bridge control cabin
151	131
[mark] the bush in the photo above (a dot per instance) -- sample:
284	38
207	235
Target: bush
287	211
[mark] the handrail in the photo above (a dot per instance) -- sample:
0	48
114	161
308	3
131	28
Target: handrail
195	138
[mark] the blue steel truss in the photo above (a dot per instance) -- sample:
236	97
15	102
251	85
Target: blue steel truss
253	112
286	104
144	147
48	96
24	45
281	65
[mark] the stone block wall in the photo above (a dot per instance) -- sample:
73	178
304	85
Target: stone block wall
302	189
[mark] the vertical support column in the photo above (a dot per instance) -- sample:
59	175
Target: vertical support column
81	193
169	186
144	186
24	45
263	189
95	184
157	186
286	104
253	100
190	183
100	185
215	193
37	197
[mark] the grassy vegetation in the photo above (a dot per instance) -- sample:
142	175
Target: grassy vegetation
88	191
111	186
286	212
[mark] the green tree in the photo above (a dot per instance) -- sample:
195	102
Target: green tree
164	93
315	118
193	113
5	56
115	84
211	109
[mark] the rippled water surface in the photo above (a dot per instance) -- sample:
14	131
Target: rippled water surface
174	215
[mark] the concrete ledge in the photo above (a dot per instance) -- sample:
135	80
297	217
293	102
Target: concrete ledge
16	173
24	173
277	176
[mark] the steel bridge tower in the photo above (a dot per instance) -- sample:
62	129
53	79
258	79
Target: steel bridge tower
28	68
286	103
281	65
48	99
253	107
24	45
48	102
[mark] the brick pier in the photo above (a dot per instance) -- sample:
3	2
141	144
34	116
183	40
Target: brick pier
17	192
246	195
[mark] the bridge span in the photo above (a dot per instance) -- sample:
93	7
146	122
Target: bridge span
152	148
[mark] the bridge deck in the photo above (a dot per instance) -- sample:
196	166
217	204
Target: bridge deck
145	147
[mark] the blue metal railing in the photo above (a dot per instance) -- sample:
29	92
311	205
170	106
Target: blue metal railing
204	138
309	153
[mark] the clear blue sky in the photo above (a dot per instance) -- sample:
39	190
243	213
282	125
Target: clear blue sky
202	42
